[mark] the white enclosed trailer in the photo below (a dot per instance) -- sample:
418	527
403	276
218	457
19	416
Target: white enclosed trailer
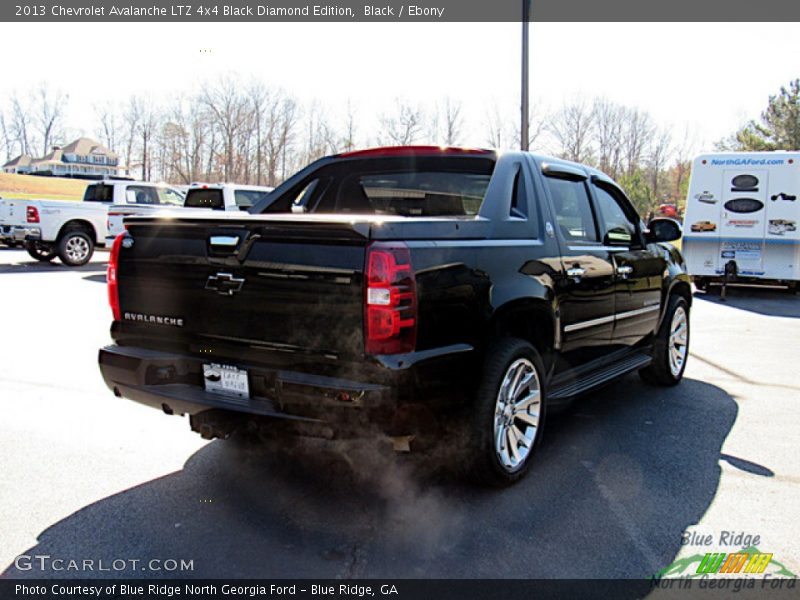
741	219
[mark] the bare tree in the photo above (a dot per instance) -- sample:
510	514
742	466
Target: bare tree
229	110
108	120
49	110
6	136
403	126
658	157
446	123
320	138
184	141
141	120
148	124
572	128
684	150
609	124
259	99
20	125
348	142
131	117
281	121
536	128
499	131
636	136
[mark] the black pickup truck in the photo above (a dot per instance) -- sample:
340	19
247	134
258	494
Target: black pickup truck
398	289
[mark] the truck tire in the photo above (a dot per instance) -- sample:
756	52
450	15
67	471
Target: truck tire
40	252
506	423
671	346
75	247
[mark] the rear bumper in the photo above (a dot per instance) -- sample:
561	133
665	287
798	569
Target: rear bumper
174	383
26	234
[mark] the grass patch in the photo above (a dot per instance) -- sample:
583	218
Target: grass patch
26	187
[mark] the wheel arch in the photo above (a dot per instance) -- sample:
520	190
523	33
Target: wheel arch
81	224
679	287
682	288
529	319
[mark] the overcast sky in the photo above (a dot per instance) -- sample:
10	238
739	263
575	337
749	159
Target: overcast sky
712	76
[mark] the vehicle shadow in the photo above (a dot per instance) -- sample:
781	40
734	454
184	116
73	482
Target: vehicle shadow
99	278
32	266
622	475
764	301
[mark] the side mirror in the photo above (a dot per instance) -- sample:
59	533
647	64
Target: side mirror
663	230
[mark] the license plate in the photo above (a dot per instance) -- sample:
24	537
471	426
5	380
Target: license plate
226	379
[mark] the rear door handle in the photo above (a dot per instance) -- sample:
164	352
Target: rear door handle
624	270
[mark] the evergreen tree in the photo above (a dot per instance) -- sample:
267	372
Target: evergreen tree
778	128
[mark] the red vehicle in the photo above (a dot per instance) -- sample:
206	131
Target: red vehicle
668	210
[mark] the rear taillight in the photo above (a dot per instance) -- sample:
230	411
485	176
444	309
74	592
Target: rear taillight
390	300
111	277
32	214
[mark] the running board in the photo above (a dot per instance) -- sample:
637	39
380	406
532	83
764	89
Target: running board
599	377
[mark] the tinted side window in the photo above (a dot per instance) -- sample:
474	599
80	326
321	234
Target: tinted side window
142	194
616	227
573	209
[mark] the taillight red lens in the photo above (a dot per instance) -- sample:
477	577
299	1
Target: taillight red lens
111	277
32	214
390	300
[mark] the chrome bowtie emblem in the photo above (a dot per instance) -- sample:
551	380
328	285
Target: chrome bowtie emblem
224	284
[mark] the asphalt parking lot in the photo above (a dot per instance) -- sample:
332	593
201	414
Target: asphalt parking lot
621	476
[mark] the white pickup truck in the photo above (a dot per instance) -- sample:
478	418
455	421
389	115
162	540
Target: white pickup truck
215	196
71	230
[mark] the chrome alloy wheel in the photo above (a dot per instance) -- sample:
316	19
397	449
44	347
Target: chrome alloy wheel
678	340
77	248
516	415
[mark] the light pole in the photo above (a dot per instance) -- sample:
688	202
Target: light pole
523	141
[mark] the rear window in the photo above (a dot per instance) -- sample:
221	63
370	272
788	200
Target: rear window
426	193
417	187
205	198
99	192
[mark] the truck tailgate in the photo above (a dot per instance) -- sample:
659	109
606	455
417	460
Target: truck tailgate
283	285
12	212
